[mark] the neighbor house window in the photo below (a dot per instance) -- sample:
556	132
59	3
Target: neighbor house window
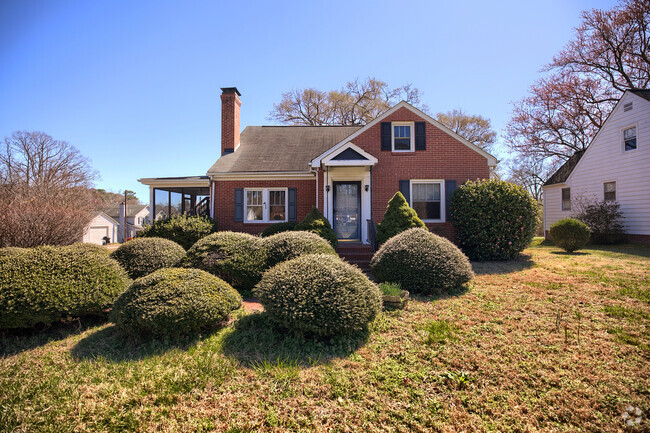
610	191
566	198
629	138
266	205
402	136
426	199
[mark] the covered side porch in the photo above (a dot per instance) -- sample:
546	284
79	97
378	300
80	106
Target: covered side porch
169	196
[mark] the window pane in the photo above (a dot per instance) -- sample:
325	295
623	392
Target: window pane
630	144
629	133
610	191
566	198
254	213
176	203
254	198
161	204
427	210
254	209
402	144
277	205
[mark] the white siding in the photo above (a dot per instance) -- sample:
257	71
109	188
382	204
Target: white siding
606	161
100	221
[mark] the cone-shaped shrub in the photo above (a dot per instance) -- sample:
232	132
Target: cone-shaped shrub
173	302
421	262
182	229
232	256
319	294
289	245
570	234
399	216
494	220
142	256
44	284
315	222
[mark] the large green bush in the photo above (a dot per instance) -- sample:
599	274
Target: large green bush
289	245
399	216
605	220
421	262
142	256
173	302
235	257
569	234
319	294
44	284
278	228
182	229
494	220
315	222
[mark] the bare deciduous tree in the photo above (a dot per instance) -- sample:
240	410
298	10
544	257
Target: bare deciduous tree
475	129
564	109
357	103
44	191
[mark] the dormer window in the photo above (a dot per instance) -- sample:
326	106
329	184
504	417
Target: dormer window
402	136
629	138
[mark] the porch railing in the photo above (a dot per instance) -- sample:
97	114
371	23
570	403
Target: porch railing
372	234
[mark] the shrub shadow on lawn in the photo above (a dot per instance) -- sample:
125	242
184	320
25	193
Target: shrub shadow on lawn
566	253
522	262
255	338
13	342
108	344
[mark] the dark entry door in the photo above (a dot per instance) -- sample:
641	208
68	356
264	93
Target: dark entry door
347	210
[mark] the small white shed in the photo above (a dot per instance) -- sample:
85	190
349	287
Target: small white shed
101	226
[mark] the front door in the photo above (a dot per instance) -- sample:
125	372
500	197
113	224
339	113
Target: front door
347	210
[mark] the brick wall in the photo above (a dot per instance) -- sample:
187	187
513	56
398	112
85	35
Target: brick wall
230	115
224	201
445	158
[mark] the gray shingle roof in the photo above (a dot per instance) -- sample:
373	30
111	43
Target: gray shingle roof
562	173
280	148
644	93
131	210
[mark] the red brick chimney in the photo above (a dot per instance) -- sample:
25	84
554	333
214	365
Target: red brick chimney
230	104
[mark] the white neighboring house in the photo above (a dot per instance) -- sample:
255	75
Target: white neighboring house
615	166
110	222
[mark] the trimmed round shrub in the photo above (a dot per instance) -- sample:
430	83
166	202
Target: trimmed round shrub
173	302
45	284
570	234
142	256
235	257
182	229
278	228
494	220
315	222
289	245
399	216
319	294
421	262
7	251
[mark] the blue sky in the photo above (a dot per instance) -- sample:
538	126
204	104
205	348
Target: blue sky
134	85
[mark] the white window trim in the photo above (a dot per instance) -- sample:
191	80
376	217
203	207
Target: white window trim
266	209
636	130
392	136
442	197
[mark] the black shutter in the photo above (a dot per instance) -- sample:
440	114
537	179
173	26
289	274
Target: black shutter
386	136
239	204
292	204
420	136
405	189
450	187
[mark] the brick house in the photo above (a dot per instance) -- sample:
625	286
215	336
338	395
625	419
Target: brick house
270	174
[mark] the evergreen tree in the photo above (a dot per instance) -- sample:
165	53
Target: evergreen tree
399	216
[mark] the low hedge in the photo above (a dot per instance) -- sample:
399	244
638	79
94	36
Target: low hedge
569	234
315	222
45	284
289	245
174	302
182	229
319	294
235	257
142	256
278	228
421	262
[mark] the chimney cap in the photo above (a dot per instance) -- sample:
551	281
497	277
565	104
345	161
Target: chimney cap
227	90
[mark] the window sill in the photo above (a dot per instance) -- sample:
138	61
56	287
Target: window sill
266	222
433	221
402	152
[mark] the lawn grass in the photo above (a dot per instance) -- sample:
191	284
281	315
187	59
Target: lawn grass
549	342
